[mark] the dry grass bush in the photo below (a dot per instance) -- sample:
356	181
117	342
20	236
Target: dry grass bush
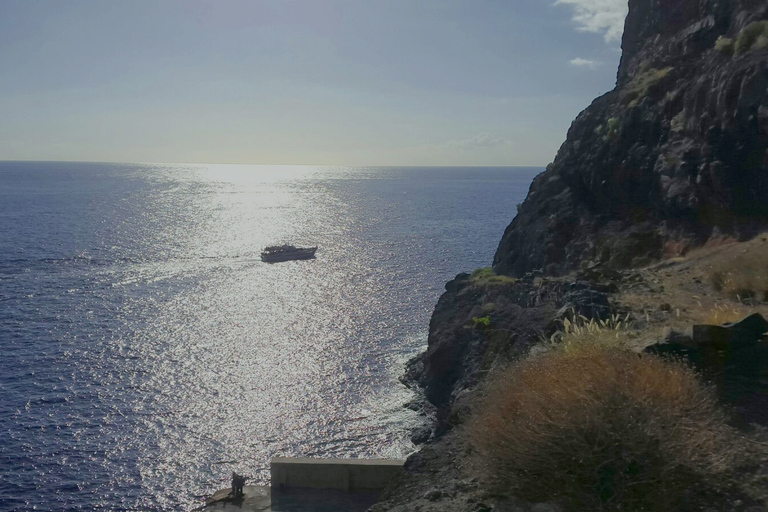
721	314
745	276
600	428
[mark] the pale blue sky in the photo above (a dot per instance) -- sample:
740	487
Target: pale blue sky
337	82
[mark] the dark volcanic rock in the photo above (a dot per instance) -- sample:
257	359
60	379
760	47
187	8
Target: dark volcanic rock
460	351
676	154
734	357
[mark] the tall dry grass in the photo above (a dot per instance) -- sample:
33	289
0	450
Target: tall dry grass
614	331
600	428
744	276
719	314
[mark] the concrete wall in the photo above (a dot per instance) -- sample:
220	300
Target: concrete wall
350	475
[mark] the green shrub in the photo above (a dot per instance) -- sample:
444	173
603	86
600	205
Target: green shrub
725	45
482	322
642	83
486	276
677	124
761	43
488	307
753	36
598	428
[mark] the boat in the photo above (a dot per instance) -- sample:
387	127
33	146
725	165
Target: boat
276	253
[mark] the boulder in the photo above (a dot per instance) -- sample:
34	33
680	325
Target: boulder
733	357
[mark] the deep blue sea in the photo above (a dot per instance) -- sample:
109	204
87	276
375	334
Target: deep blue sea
146	352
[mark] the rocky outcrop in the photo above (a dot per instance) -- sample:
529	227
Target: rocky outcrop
476	325
676	154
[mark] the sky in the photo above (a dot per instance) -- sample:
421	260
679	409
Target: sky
315	82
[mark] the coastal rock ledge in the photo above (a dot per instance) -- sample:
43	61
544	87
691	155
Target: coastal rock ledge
673	157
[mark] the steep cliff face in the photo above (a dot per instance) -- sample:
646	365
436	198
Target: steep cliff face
676	154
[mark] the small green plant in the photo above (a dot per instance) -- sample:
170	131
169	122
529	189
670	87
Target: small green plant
613	125
488	307
487	277
761	43
753	36
677	124
725	45
483	322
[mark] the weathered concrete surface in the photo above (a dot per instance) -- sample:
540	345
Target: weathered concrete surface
348	475
262	499
256	498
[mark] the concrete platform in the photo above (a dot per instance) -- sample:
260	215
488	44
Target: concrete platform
348	475
256	498
312	485
260	499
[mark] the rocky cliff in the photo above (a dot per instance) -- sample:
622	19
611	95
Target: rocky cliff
479	322
675	155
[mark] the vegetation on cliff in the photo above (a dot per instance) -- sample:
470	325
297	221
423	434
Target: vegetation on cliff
487	277
600	428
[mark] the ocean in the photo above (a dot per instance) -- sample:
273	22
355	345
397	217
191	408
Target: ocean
146	351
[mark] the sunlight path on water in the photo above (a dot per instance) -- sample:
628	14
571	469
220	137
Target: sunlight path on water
149	352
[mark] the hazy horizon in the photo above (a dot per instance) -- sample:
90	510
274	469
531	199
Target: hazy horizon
310	82
263	165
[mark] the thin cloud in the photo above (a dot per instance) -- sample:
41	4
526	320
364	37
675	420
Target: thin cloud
599	16
584	63
481	140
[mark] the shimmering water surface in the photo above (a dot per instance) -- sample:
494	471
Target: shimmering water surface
146	351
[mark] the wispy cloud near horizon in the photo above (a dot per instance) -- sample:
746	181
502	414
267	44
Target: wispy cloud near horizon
584	63
481	140
599	16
